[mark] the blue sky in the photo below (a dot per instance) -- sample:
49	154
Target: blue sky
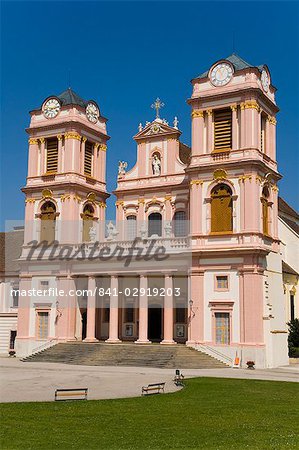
124	55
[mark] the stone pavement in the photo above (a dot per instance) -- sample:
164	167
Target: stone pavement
24	382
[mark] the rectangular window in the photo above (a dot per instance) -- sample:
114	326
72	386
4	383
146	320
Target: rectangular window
43	324
106	313
52	155
88	158
44	286
15	296
222	328
222	130
263	133
292	306
221	282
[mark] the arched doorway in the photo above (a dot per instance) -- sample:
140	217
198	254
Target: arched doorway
155	323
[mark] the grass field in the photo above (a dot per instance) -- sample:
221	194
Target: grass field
210	413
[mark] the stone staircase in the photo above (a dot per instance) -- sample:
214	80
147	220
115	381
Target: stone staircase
150	355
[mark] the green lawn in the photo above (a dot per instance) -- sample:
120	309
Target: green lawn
209	413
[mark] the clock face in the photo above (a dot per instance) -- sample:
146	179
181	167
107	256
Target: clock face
51	108
265	81
92	113
221	74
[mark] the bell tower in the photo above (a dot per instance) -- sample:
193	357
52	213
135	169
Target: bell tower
66	187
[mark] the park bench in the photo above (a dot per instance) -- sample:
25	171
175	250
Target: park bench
71	394
154	388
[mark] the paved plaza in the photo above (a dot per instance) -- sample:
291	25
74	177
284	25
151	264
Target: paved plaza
24	382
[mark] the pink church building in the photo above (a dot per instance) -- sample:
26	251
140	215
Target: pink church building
213	207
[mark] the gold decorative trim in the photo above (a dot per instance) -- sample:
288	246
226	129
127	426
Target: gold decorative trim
275	188
72	135
119	203
141	201
243	178
84	139
64	197
167	198
101	204
59	137
209	112
30	200
47	193
171	139
103	147
32	141
77	197
42	140
272	120
96	145
220	174
91	197
234	107
197	113
250	104
196	182
258	179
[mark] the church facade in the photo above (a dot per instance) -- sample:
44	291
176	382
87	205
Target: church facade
212	208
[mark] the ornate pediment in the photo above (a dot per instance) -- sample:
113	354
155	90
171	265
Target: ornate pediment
158	127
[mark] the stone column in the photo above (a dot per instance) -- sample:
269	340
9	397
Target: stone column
43	156
235	130
60	156
91	311
196	206
168	311
65	324
210	140
143	312
197	132
196	309
33	158
242	126
113	322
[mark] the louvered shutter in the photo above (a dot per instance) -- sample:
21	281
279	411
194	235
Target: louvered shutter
222	130
52	155
88	158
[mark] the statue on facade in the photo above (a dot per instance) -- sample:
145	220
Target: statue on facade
111	231
156	165
175	122
140	127
92	234
122	165
168	229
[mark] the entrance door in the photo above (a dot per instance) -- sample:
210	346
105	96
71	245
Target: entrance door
155	324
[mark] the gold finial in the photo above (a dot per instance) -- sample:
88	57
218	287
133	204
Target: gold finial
157	105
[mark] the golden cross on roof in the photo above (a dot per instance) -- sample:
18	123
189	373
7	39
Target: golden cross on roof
157	105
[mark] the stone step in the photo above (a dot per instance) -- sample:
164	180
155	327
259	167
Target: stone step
150	355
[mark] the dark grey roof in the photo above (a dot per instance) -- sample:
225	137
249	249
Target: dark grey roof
69	97
237	62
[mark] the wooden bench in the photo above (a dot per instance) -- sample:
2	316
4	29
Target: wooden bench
71	394
154	388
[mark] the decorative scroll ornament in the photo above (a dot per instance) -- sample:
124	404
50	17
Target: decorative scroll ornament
72	135
47	193
196	182
197	113
32	141
91	196
64	197
220	174
30	200
271	120
103	147
250	104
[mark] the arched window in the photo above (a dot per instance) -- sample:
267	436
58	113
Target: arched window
155	224
179	224
131	227
87	216
221	209
48	218
265	209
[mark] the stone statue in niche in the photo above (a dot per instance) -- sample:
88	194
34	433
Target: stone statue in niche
156	165
111	231
122	165
168	229
92	234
